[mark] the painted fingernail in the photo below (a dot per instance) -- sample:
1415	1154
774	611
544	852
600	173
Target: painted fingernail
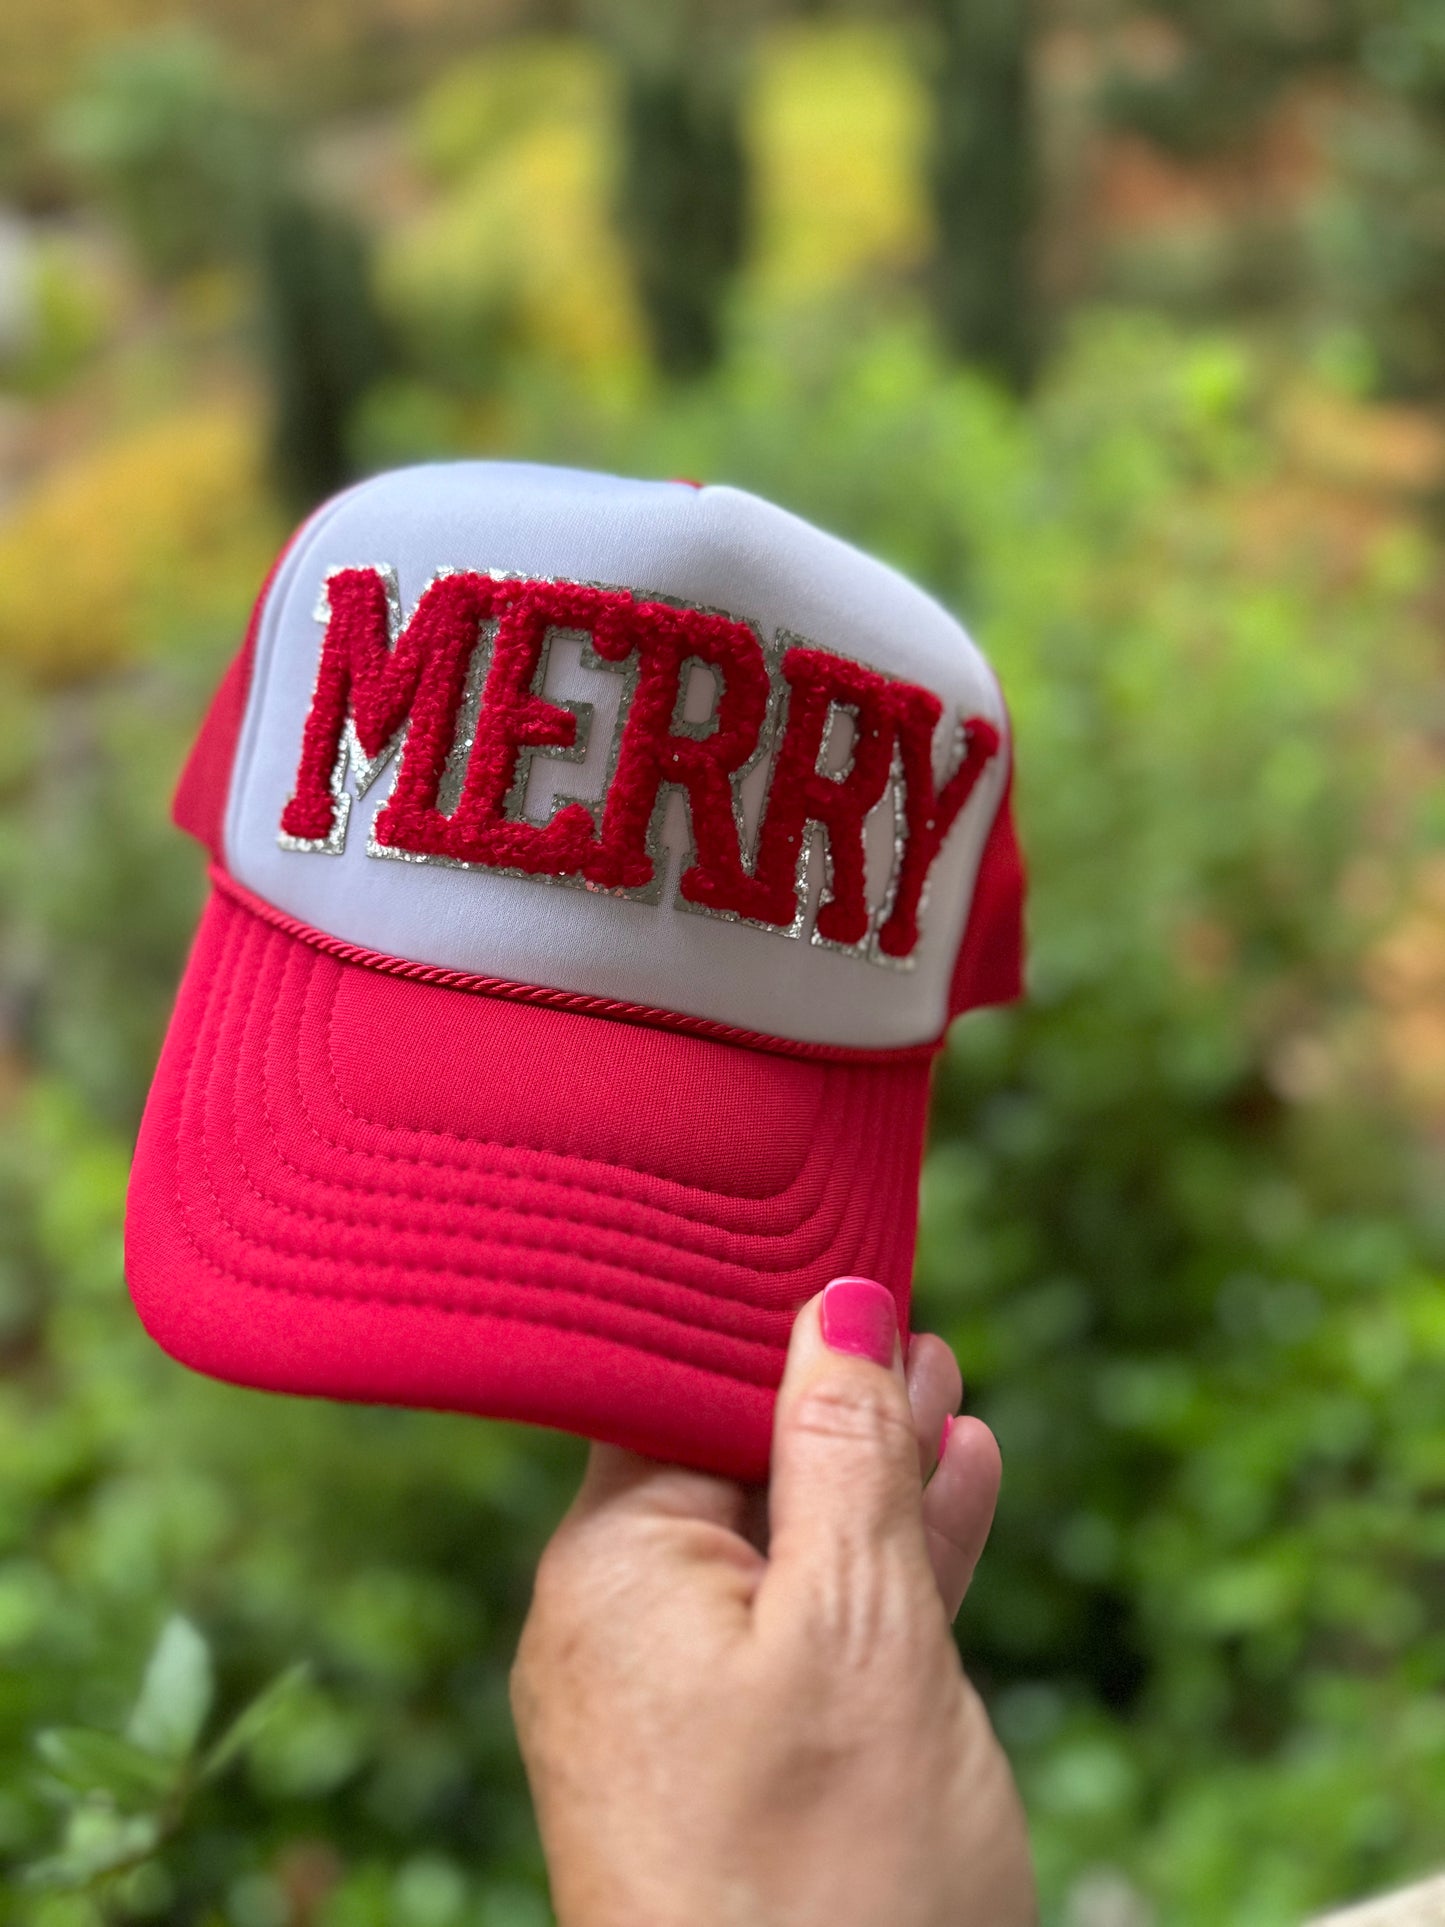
943	1437
859	1317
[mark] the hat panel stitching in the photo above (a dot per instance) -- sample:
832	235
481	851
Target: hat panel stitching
580	1002
263	1246
408	1225
515	1143
564	1249
671	1216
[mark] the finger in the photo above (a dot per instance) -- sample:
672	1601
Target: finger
845	1499
958	1507
935	1391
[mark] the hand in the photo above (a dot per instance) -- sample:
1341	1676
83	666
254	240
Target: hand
722	1736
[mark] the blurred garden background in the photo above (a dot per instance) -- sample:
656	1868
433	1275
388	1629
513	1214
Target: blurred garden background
1121	324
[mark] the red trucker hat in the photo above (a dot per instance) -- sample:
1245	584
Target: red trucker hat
596	867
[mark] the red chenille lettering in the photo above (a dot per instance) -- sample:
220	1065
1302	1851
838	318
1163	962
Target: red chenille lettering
512	718
800	792
414	682
930	813
656	750
417	683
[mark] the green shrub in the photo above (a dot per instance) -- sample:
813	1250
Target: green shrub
178	154
1177	1217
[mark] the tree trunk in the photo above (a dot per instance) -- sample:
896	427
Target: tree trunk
682	187
983	178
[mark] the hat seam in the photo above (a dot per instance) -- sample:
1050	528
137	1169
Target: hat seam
663	1239
510	1316
675	1216
262	1245
553	1249
442	1134
582	1003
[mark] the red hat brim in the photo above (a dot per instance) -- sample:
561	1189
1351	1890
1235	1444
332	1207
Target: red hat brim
363	1186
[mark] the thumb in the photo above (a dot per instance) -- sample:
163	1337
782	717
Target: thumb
846	1494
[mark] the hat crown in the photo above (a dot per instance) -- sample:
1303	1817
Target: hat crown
630	740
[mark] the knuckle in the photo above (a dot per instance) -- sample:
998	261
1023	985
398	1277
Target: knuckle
864	1615
857	1411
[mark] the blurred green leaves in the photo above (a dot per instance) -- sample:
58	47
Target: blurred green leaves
1182	1212
175	1695
121	1798
1180	1221
1181	1218
159	126
198	172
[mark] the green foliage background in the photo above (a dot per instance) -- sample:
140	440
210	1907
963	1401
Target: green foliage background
1182	1214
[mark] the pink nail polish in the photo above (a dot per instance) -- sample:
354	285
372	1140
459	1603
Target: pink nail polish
943	1437
859	1317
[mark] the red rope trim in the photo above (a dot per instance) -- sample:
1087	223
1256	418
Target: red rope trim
576	1001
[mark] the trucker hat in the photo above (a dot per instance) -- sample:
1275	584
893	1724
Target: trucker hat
596	866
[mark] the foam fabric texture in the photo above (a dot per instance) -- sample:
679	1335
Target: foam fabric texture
715	547
467	1137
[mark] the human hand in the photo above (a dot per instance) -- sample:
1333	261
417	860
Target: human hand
718	1734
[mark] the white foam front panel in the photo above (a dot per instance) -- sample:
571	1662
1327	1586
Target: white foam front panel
717	547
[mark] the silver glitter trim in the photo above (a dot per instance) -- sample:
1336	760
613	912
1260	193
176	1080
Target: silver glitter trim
469	710
699	729
775	723
896	796
839	775
350	758
589	660
363	772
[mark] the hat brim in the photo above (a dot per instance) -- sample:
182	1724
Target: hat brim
360	1186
